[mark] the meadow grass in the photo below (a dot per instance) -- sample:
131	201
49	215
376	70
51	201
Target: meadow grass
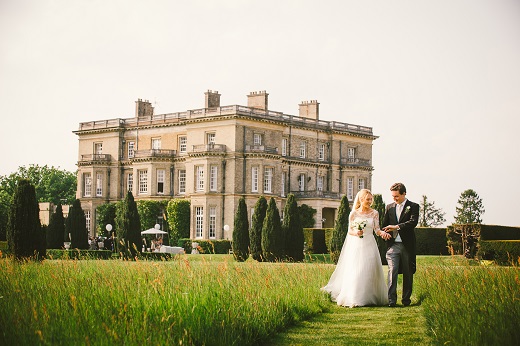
471	305
190	300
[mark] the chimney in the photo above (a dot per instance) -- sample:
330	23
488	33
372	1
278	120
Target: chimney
310	109
212	99
143	108
257	99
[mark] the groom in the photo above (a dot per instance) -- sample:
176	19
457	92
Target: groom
400	220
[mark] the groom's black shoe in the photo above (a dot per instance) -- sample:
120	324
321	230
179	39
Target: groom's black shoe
406	303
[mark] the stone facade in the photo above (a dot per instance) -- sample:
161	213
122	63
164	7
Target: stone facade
215	155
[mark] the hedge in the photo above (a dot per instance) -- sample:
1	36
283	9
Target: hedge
78	254
493	232
221	246
505	252
478	234
431	241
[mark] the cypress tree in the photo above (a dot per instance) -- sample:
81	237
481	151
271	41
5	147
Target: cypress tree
77	227
25	238
255	233
293	230
241	232
272	235
340	229
56	229
379	205
128	226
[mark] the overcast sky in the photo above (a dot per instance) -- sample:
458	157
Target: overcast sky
438	81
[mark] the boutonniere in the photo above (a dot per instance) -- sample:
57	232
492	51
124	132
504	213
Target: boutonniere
407	209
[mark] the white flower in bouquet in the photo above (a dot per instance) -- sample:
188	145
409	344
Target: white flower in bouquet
360	226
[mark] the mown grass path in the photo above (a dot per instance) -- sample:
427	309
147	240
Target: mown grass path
361	326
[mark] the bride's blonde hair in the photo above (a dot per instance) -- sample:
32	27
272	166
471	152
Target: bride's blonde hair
360	197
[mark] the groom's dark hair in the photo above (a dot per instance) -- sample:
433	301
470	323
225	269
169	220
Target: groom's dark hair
398	187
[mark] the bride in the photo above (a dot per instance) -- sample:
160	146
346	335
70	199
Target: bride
358	278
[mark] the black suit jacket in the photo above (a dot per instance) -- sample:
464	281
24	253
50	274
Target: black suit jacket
407	223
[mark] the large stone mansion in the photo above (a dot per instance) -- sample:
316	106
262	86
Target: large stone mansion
215	155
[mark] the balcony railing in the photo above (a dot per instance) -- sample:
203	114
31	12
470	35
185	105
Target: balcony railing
96	157
139	154
261	149
206	148
315	194
354	162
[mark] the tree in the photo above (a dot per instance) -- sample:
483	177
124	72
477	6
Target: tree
25	238
128	227
149	211
77	224
56	229
178	211
340	229
470	208
272	236
255	233
307	215
51	185
379	205
241	232
105	214
430	215
293	231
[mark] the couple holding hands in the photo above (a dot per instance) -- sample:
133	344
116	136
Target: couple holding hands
358	279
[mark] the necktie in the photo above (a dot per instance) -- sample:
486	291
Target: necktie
398	211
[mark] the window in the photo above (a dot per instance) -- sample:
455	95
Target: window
199	221
257	139
143	181
268	180
183	143
212	223
156	143
319	183
351	153
98	148
211	138
160	181
87	220
213	178
283	183
87	179
131	149
130	182
284	147
361	184
350	189
303	149
99	184
301	182
182	181
321	152
199	179
254	179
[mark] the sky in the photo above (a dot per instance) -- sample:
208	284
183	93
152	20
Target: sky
437	80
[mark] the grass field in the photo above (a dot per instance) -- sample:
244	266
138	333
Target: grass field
212	300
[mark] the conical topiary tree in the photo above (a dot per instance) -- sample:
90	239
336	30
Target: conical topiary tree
255	233
379	205
128	227
241	232
340	229
272	235
77	227
293	231
56	229
25	238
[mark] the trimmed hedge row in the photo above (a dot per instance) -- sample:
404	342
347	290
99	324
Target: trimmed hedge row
317	240
475	234
493	232
505	252
78	254
206	246
431	241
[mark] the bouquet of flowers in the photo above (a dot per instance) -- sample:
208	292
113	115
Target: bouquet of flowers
360	226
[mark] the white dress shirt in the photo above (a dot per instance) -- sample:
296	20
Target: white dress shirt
398	211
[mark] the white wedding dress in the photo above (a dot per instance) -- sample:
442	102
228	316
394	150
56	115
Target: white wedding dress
358	279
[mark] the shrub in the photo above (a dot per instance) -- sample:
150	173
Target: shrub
293	231
56	229
431	241
178	211
78	227
340	229
105	214
24	234
272	235
255	233
241	232
79	254
504	252
306	214
315	240
128	227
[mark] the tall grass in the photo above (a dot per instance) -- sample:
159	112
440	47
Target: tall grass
471	305
150	303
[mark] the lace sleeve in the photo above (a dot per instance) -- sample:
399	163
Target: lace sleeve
351	218
376	221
